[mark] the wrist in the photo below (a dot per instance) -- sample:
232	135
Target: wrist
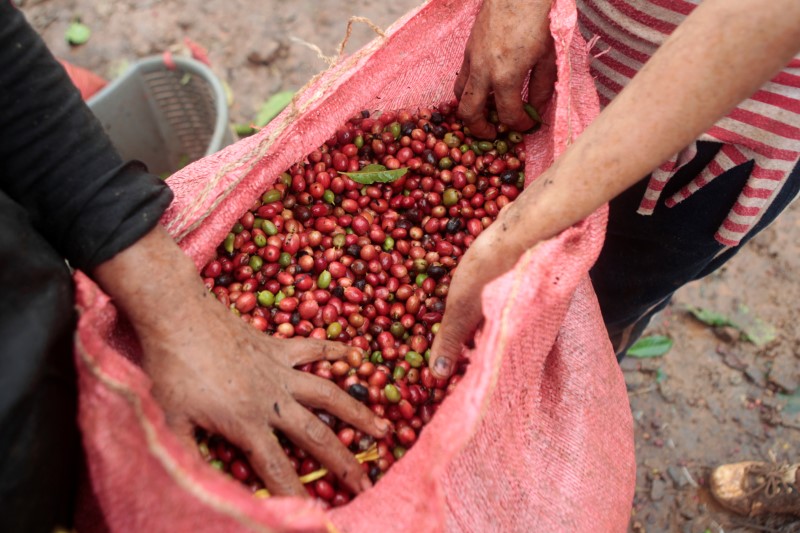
150	281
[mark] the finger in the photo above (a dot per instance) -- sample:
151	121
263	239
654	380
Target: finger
510	109
316	392
269	461
461	78
461	318
312	435
301	351
543	80
184	431
472	108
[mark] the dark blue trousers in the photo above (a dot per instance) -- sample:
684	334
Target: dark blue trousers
645	259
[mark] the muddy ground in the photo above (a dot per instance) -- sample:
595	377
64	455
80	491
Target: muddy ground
716	397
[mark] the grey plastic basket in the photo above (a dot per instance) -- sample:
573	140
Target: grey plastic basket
164	117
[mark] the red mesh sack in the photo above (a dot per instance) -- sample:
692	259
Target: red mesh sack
538	434
87	82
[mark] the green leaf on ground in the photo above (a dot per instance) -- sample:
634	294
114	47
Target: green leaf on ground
375	174
661	376
78	33
711	318
652	346
753	328
792	406
272	107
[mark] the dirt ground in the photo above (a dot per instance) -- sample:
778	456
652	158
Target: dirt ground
716	397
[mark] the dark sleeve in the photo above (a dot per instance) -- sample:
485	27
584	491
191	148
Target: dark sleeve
57	162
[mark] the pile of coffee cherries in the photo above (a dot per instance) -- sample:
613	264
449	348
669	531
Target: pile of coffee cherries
357	243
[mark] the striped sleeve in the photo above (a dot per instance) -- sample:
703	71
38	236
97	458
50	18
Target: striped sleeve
764	129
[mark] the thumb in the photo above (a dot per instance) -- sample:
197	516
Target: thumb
183	429
472	107
458	325
461	78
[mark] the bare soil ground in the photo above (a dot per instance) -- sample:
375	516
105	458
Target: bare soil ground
714	398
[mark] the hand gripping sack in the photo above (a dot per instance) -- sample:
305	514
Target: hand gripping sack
536	437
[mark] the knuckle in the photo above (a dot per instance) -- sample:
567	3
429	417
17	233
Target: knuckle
445	346
274	470
316	431
508	112
518	123
283	485
324	349
458	332
349	470
467	110
505	80
330	348
450	347
514	116
327	393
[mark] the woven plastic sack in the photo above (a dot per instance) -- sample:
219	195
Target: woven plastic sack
87	82
536	437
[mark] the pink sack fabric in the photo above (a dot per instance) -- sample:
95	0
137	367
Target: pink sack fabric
87	82
537	436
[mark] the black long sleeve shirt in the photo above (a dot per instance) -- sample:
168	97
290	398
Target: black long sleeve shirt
56	161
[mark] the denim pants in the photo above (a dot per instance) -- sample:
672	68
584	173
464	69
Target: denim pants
645	259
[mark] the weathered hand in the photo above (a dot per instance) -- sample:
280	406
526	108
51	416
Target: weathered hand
210	369
221	374
508	39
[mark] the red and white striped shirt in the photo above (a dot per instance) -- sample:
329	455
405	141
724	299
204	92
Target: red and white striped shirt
765	128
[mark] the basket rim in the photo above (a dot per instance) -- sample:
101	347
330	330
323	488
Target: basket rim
155	63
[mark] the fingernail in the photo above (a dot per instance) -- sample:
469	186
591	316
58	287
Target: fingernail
442	366
382	425
366	484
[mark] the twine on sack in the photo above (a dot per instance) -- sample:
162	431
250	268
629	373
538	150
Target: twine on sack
338	66
330	60
349	30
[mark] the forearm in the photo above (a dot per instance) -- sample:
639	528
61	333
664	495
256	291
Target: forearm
723	52
153	274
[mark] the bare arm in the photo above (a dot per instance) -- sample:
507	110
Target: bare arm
723	52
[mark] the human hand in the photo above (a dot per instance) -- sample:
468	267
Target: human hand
229	378
508	39
210	369
493	253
